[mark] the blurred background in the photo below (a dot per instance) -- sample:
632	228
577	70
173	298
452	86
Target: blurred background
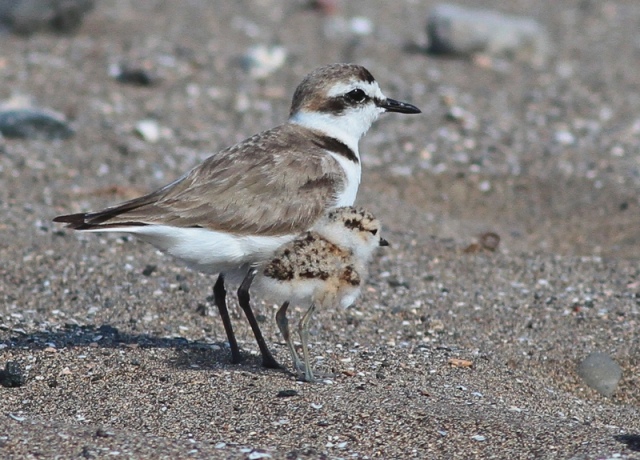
529	129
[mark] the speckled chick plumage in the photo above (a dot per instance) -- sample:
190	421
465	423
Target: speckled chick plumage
326	265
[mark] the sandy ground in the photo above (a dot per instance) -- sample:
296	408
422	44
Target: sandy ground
121	364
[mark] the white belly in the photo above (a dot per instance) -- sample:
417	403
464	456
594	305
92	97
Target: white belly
208	251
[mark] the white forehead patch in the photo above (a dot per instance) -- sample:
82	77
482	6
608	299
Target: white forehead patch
371	89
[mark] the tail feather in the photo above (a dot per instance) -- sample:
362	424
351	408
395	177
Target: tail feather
100	219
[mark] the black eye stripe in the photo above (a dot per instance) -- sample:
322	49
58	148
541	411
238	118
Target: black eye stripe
338	104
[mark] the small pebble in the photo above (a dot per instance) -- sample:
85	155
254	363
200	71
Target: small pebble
361	25
149	130
33	124
260	61
600	372
337	27
102	433
564	138
490	241
484	186
136	76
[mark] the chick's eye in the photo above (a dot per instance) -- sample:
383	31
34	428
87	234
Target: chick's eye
356	95
374	232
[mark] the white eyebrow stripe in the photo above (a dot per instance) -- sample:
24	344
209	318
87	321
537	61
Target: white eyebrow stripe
371	89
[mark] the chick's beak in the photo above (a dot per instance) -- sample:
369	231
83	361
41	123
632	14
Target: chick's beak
384	242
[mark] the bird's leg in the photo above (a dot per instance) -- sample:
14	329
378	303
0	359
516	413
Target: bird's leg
220	298
283	325
243	299
303	330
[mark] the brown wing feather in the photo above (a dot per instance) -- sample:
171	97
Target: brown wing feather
266	192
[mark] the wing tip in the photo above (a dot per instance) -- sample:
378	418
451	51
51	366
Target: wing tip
75	221
82	221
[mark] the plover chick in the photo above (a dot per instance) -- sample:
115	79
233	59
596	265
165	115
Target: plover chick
242	203
321	268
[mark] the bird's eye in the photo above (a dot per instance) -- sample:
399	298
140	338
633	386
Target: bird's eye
374	232
356	95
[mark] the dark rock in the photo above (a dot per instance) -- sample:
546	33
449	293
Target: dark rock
394	282
33	124
632	441
12	376
287	393
262	318
87	452
28	16
136	76
149	269
202	309
107	330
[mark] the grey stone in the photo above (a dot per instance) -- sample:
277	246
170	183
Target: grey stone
600	372
457	30
33	124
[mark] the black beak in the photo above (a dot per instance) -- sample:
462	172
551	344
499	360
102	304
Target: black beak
391	105
384	242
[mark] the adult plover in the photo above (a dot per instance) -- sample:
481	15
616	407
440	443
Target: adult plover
322	268
238	206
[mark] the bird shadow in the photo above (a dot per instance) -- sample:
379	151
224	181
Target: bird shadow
191	354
